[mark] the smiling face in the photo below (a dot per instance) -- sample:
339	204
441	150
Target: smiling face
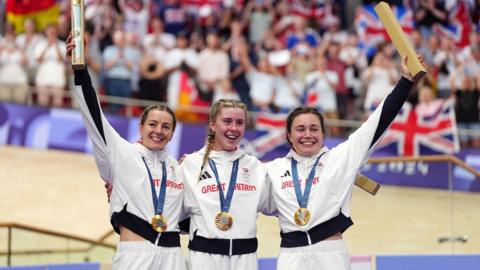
229	128
157	129
305	134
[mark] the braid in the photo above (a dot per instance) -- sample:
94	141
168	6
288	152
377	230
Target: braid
208	149
214	111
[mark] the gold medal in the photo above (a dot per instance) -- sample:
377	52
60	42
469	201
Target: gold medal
159	223
302	216
223	221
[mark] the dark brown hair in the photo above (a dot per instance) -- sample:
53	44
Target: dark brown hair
303	110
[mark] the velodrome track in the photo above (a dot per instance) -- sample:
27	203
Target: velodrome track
61	191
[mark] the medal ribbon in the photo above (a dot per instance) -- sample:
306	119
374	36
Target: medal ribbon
225	202
160	201
303	200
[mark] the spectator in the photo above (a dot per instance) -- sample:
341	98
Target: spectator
102	15
118	66
237	72
466	86
152	74
158	40
134	44
260	17
336	64
321	93
284	21
379	79
467	53
268	43
356	62
181	64
302	33
136	17
50	55
173	15
207	21
27	42
427	103
288	88
214	63
431	49
334	31
63	27
445	61
260	78
13	78
428	13
302	63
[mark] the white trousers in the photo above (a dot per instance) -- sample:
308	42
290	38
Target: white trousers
324	255
206	261
143	255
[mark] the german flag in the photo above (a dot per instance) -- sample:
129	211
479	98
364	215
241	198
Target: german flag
43	12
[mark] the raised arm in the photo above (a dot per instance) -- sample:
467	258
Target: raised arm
97	126
361	142
394	101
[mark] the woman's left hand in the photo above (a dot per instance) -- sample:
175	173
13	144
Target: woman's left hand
406	73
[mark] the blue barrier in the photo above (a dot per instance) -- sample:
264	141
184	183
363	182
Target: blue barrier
267	264
428	262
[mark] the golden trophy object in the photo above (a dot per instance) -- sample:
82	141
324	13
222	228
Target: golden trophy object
78	28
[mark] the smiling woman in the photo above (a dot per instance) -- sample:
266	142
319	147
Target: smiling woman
157	125
312	185
224	191
146	195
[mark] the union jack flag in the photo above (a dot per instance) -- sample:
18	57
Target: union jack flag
271	128
459	27
414	132
370	29
309	9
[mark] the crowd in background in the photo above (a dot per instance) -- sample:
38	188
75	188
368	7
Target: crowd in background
263	52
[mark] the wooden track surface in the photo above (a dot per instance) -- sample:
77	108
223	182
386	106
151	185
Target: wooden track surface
62	191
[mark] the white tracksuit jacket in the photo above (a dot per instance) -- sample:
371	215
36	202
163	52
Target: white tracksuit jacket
331	190
120	162
202	201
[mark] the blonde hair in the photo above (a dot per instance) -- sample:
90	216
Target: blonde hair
214	111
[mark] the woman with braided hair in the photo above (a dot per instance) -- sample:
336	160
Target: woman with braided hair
224	191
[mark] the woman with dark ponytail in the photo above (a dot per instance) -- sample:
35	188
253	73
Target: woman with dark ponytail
312	185
224	191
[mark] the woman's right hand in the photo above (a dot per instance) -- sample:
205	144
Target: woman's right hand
71	45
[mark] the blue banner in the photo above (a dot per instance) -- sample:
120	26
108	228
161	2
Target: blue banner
53	128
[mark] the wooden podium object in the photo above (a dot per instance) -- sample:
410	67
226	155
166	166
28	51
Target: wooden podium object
399	39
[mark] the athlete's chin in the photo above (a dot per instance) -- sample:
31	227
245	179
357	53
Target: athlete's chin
155	146
308	151
230	146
